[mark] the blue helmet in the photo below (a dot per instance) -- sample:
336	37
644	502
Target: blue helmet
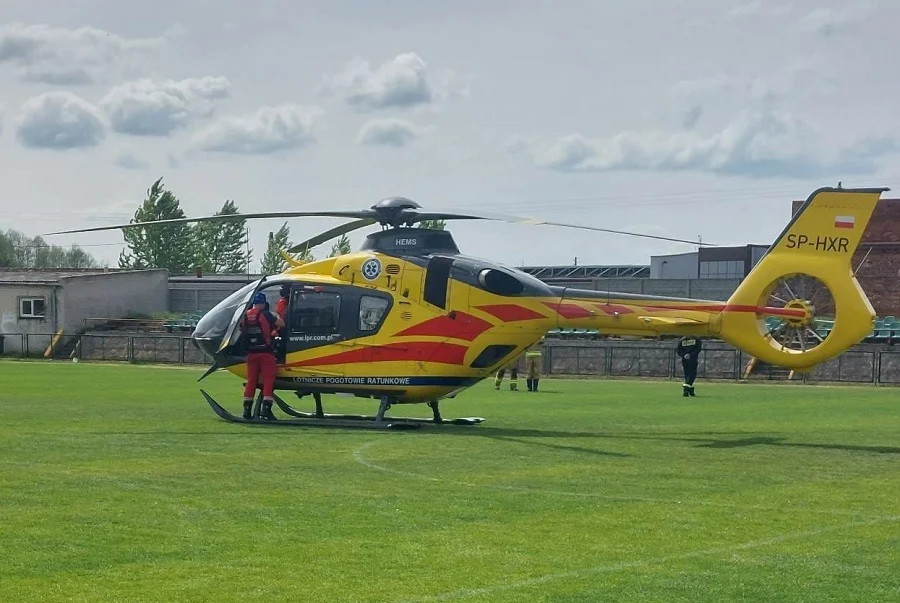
259	298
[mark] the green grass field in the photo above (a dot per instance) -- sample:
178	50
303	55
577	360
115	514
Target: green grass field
119	484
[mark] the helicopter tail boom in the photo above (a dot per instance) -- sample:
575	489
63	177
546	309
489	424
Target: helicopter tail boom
808	270
772	315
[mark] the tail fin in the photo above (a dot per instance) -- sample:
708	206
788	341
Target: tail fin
810	259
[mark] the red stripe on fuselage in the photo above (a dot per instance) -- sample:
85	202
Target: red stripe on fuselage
569	310
425	351
798	313
463	326
511	312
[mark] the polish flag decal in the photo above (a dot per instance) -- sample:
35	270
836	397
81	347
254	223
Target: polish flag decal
844	222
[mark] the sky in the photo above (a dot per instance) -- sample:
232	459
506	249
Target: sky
700	119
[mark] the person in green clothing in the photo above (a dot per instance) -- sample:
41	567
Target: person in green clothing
534	357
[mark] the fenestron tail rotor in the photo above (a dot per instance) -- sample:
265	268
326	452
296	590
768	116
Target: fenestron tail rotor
392	212
811	299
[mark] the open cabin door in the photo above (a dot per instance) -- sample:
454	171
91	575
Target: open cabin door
232	334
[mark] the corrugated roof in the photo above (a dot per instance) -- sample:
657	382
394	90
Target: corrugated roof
41	276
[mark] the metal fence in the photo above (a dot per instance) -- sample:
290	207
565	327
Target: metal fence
865	364
123	347
609	359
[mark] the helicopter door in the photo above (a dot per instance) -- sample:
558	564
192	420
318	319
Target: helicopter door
231	335
315	325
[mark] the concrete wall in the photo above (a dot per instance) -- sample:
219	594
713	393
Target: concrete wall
112	295
199	295
864	363
157	349
675	266
12	327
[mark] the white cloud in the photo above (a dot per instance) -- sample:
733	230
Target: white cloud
390	132
60	56
269	130
694	99
400	82
128	161
758	8
517	144
59	120
829	21
147	108
728	124
757	143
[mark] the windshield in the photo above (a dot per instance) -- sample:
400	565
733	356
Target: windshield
215	323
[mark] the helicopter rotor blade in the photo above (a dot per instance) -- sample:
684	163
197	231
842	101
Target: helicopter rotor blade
225	217
393	216
330	234
432	215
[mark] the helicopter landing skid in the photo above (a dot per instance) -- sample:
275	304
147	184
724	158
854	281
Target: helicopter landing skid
319	415
304	421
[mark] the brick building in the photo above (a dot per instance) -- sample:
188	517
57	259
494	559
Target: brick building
879	274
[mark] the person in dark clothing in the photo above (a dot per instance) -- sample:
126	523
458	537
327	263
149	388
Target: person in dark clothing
688	349
258	326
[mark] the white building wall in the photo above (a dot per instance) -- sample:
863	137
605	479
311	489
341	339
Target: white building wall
675	266
112	295
13	326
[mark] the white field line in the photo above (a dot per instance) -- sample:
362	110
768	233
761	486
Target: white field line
644	563
359	457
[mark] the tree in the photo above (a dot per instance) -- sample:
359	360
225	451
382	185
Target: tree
76	257
21	251
48	256
24	248
8	252
221	244
341	247
272	262
168	246
433	224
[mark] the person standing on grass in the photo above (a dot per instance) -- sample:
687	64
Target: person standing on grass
257	325
688	349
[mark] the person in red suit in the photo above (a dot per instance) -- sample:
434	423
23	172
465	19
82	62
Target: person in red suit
258	325
281	307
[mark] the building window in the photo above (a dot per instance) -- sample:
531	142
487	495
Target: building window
31	307
371	311
315	312
733	269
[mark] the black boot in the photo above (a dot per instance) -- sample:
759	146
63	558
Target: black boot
530	383
686	390
691	391
248	409
266	411
535	382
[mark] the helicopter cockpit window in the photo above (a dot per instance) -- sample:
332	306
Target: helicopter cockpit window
315	312
215	323
371	311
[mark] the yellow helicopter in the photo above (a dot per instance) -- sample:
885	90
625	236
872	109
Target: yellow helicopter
409	319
